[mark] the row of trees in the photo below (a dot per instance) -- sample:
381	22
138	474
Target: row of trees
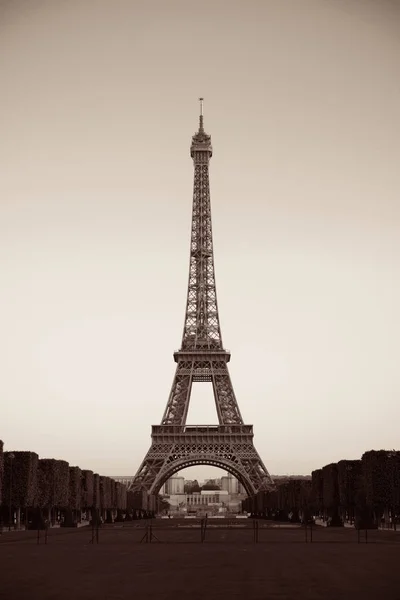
33	490
194	486
365	492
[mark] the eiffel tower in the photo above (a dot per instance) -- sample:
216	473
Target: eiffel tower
202	357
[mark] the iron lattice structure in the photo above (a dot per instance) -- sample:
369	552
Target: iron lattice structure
201	358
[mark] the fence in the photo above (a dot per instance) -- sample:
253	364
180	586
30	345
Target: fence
201	531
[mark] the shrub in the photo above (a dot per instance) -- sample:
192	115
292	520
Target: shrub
294	487
123	496
75	492
114	498
137	500
23	468
1	469
330	486
117	495
283	496
53	483
381	471
317	489
120	492
87	489
305	494
350	483
107	492
260	501
272	499
96	491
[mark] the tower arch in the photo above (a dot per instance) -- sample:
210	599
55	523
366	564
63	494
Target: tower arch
195	462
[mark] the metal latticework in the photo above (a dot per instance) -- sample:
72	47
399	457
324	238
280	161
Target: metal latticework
202	358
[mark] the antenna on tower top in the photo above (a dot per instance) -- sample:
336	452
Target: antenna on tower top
201	114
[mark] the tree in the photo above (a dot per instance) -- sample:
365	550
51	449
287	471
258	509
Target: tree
164	505
210	486
191	487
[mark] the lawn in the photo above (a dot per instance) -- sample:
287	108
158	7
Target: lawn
227	565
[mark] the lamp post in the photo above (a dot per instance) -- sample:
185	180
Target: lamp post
11	457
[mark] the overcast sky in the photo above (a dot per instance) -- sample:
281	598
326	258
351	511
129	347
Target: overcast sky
98	104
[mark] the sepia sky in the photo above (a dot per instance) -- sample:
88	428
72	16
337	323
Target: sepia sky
98	104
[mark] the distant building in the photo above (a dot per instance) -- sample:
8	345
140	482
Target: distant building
174	485
226	499
288	477
206	498
125	479
230	484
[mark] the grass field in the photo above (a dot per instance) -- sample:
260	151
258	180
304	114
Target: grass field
228	564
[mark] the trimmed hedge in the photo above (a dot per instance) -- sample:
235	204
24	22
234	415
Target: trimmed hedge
152	503
283	496
330	486
367	486
350	483
105	493
271	500
53	483
137	500
108	496
50	483
122	496
305	494
114	497
96	491
87	489
21	473
1	469
317	489
260	501
381	470
75	488
294	487
290	495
